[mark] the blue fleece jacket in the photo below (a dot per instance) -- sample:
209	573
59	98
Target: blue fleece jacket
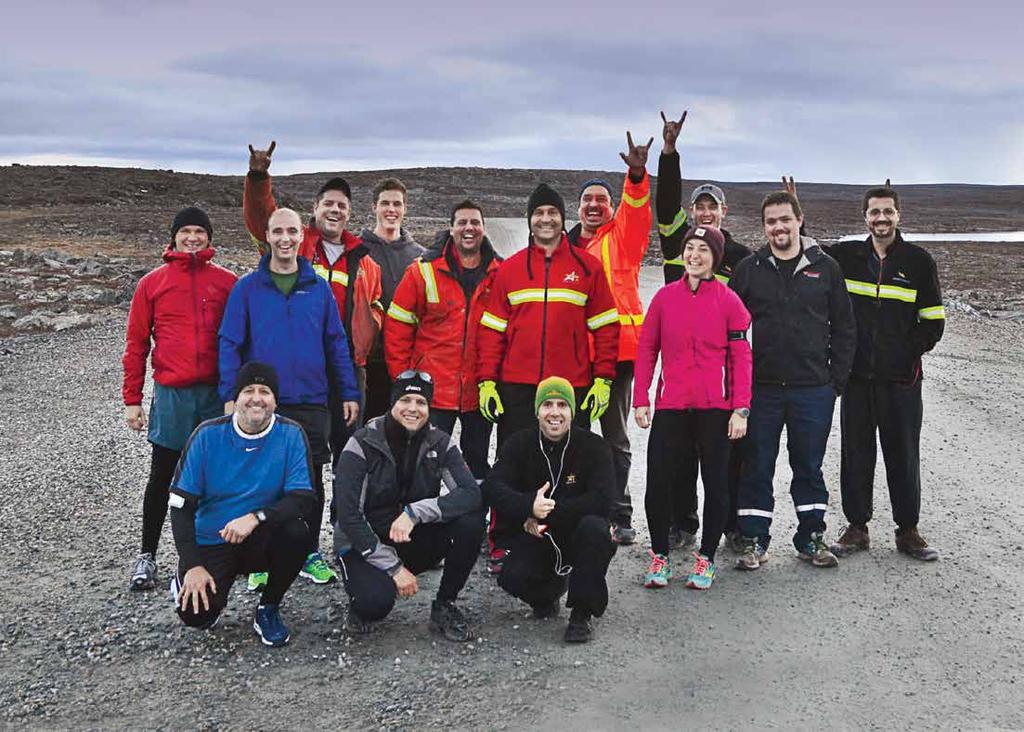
300	335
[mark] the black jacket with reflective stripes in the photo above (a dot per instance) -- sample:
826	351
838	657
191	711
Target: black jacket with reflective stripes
673	223
802	326
897	305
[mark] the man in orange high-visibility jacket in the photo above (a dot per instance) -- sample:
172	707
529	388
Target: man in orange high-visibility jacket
432	326
546	302
619	239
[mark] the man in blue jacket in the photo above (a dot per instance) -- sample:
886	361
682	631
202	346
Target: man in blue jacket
285	315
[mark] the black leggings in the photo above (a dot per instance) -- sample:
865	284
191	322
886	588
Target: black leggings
278	550
677	437
154	502
372	591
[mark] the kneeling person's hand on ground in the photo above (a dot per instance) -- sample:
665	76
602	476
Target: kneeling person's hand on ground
194	587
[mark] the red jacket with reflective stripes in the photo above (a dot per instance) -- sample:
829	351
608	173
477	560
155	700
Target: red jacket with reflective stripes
367	315
539	315
620	245
179	306
432	326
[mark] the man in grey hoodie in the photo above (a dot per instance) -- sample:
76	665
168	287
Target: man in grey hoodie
391	247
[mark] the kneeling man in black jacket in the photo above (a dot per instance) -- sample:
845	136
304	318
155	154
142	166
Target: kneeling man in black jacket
404	500
551	489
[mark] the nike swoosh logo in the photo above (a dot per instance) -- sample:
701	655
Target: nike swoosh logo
250	449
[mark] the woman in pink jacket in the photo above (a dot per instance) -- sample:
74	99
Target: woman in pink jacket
699	327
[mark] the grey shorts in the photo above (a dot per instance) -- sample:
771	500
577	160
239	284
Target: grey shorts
176	411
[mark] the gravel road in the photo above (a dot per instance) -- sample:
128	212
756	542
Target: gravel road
881	642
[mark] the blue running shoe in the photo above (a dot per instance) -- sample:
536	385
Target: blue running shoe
269	626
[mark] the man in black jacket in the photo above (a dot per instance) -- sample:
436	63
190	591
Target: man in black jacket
405	500
707	208
551	490
241	500
897	304
804	338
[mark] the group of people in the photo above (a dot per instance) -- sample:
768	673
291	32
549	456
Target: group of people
364	352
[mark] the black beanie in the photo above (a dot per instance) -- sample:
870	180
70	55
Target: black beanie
412	382
256	372
545	195
191	216
335	184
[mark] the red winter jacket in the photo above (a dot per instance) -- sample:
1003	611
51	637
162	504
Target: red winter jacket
432	326
179	305
705	356
367	315
539	314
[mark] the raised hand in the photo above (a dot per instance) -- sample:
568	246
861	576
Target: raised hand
789	185
636	158
259	160
670	132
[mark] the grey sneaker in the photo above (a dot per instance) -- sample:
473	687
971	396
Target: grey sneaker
623	535
817	552
752	556
680	538
143	573
355	625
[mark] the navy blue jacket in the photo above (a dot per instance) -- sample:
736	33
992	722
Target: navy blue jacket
300	335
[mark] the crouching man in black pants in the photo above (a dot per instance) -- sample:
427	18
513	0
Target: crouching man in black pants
241	500
405	500
551	489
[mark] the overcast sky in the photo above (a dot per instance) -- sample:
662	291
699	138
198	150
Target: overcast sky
909	90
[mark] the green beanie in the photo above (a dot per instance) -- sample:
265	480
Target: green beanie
555	387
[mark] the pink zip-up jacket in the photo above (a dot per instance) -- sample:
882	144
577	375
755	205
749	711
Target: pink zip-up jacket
705	355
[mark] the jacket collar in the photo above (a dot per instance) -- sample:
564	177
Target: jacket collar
306	273
447	258
811	253
172	256
375	437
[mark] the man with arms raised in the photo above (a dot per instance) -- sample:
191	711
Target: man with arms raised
240	502
431	326
285	315
619	239
894	287
804	338
551	490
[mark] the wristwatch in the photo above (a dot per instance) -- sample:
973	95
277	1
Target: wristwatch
743	412
260	516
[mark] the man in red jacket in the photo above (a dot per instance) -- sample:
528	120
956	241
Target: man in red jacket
177	310
431	327
619	238
335	254
546	302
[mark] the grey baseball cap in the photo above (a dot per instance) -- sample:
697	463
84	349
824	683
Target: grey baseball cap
707	189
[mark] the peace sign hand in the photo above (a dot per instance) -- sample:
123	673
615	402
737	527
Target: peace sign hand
636	158
259	160
670	132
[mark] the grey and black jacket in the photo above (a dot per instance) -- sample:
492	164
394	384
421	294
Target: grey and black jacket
393	258
368	497
803	329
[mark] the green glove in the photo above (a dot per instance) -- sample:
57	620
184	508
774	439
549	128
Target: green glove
488	394
598	398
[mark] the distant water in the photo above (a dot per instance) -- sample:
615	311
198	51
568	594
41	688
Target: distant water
973	236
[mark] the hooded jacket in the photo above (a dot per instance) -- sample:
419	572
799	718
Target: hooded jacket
393	257
701	337
177	308
368	495
432	324
539	316
897	305
803	328
620	245
299	334
358	298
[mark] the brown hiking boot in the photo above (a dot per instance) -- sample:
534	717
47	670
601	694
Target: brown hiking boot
911	543
853	539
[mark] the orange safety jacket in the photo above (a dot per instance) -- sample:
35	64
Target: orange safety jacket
620	245
432	325
364	320
540	314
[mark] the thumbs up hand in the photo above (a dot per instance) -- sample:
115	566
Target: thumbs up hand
542	505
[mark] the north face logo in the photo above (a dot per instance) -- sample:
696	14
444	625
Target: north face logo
571	277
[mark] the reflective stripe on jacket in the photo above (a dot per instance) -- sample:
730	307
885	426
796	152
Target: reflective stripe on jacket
432	326
620	246
539	316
